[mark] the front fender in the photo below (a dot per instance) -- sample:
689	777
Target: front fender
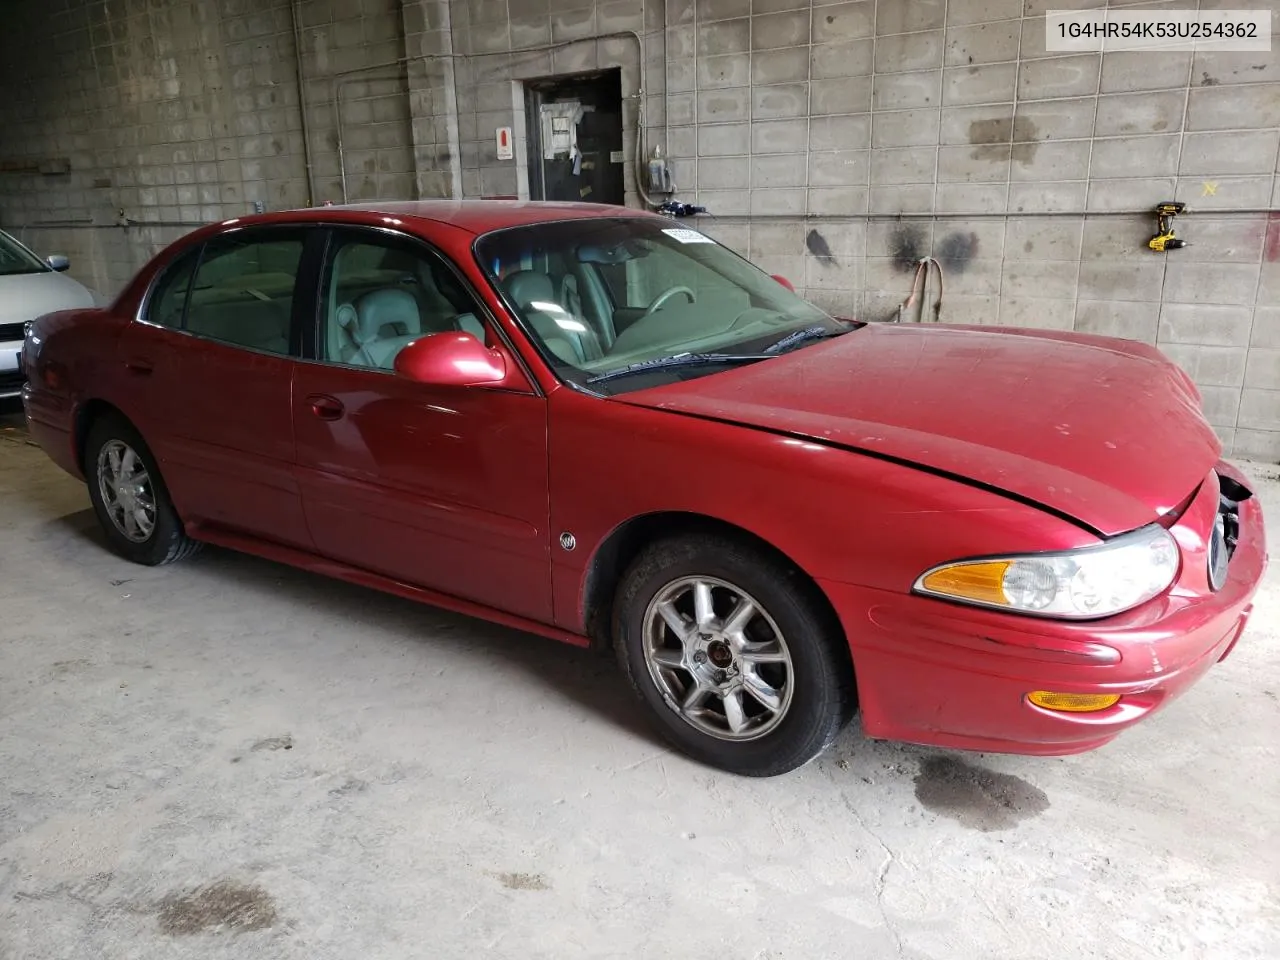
838	515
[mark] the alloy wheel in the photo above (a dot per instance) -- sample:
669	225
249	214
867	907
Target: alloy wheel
126	490
718	658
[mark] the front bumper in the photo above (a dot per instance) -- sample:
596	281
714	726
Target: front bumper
11	377
951	675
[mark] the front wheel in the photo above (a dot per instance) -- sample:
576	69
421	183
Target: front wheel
129	496
740	663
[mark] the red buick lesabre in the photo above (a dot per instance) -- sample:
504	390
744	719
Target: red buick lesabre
603	426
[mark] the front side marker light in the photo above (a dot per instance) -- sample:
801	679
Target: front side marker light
980	582
1073	702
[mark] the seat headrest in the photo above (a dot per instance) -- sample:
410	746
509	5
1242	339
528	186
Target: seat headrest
527	286
380	308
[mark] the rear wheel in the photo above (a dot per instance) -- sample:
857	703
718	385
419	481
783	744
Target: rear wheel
129	496
741	665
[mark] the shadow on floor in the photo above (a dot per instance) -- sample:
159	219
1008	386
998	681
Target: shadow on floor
591	679
964	789
11	416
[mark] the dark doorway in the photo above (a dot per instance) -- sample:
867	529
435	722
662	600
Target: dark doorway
575	137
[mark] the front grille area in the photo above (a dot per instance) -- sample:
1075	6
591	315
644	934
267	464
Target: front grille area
1226	529
12	331
10	380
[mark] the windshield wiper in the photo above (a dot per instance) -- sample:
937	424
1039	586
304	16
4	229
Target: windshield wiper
680	360
800	336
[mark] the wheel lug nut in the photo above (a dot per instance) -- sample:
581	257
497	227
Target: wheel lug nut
700	657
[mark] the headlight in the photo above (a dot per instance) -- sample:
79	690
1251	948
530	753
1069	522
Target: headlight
1074	584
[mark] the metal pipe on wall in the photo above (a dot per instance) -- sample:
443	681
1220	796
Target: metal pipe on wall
984	215
302	100
1207	214
92	225
338	125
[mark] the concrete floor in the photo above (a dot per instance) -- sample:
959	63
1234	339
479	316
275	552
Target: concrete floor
228	758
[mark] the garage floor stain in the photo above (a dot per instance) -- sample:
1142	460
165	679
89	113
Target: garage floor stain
428	747
523	881
274	743
222	906
977	797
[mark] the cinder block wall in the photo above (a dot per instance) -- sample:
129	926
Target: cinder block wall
836	143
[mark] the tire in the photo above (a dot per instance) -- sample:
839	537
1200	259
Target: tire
114	449
791	649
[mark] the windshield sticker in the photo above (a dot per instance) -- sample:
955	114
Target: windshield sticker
687	236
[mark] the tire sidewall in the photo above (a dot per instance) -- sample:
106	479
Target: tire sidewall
818	700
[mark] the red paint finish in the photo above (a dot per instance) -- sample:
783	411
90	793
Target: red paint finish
1037	417
865	460
219	418
971	668
452	360
444	487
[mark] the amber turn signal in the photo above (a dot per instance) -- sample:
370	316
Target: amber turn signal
1073	702
981	582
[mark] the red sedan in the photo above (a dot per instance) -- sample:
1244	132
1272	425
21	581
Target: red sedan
604	427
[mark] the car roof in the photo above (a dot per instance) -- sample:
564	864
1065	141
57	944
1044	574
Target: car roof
474	216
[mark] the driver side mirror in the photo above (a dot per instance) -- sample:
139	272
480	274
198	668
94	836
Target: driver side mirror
451	360
57	261
785	282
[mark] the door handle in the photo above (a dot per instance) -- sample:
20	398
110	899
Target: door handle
325	407
139	366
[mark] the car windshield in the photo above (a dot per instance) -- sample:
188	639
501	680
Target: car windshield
621	304
15	258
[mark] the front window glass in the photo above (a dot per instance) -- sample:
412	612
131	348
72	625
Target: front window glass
15	258
602	295
381	294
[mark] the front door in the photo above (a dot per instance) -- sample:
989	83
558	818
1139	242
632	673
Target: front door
212	365
444	488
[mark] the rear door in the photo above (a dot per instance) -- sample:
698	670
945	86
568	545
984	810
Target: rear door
213	359
442	487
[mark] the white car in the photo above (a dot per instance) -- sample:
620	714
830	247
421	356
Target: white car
29	288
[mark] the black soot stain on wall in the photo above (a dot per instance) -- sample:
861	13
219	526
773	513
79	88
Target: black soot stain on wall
817	245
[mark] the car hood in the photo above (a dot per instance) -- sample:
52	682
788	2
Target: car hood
1105	431
25	296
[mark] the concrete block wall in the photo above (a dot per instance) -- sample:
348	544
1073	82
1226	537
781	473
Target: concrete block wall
183	113
836	143
839	142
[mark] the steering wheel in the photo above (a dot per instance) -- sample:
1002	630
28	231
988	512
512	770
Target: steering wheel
661	299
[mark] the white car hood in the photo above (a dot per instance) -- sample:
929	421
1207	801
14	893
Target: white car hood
26	296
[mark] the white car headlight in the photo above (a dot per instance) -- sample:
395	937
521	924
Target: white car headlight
1074	584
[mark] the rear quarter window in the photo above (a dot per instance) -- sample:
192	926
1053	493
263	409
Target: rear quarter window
168	300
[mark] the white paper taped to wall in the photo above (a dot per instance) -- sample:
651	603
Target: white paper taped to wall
560	129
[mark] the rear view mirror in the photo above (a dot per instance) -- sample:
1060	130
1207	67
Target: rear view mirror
608	255
58	262
451	359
